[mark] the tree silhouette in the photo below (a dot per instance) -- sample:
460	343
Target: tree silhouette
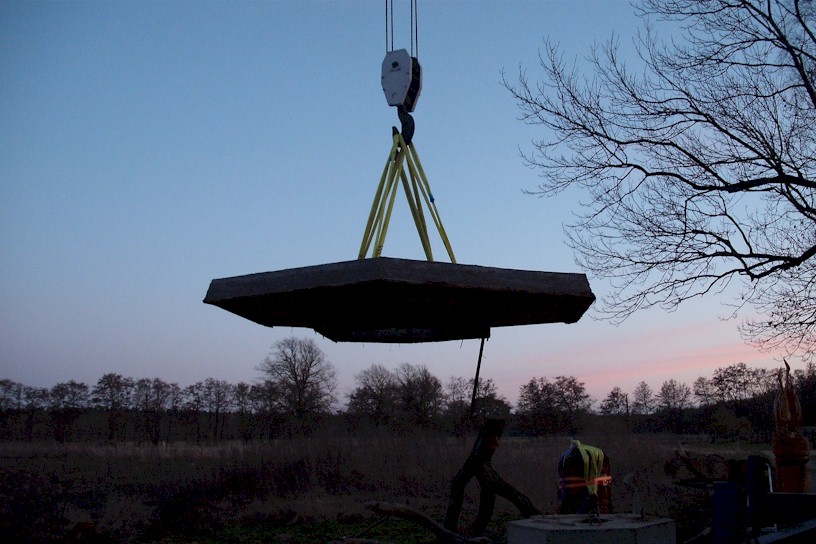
673	398
550	407
420	395
699	162
303	379
615	403
643	399
703	390
112	393
242	401
68	401
736	384
375	396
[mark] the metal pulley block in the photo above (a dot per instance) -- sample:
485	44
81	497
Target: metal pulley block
401	79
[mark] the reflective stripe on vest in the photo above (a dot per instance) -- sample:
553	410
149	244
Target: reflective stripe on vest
570	482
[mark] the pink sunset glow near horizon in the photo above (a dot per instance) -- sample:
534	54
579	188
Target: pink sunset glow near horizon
641	349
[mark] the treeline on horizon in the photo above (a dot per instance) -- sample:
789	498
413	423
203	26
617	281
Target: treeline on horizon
295	395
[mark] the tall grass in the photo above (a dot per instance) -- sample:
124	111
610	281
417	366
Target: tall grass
130	492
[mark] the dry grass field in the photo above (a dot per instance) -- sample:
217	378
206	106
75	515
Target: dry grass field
299	490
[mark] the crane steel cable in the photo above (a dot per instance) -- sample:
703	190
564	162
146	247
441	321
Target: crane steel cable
389	21
414	28
413	3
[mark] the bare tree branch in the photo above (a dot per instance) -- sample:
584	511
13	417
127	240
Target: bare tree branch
699	165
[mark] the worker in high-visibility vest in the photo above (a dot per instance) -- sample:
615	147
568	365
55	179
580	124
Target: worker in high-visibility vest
584	480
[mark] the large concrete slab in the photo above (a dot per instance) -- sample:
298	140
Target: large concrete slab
577	529
385	299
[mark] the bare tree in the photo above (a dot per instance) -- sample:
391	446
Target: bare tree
488	402
643	399
674	396
174	403
375	396
571	395
112	394
242	401
457	394
672	400
36	400
193	406
806	388
303	377
11	403
68	401
264	399
536	407
699	162
11	395
704	391
151	398
421	395
615	403
218	395
735	384
548	407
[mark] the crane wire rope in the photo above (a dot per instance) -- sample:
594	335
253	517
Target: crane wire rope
389	6
414	29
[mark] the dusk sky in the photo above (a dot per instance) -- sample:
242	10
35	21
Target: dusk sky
148	147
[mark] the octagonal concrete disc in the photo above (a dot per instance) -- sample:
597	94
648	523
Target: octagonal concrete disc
403	301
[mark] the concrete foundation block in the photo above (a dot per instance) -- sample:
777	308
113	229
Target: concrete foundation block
577	529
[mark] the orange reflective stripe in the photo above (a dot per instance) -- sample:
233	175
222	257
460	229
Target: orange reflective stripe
569	482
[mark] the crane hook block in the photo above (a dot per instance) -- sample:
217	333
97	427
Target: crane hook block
401	79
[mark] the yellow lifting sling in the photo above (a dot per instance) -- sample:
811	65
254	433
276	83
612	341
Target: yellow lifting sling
416	191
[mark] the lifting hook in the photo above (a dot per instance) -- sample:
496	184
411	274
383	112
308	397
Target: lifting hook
407	121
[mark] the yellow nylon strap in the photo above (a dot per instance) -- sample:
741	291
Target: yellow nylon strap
385	211
402	156
426	191
416	212
373	217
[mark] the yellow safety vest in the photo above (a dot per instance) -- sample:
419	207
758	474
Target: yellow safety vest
593	463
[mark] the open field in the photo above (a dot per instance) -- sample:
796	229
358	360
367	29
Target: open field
300	490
